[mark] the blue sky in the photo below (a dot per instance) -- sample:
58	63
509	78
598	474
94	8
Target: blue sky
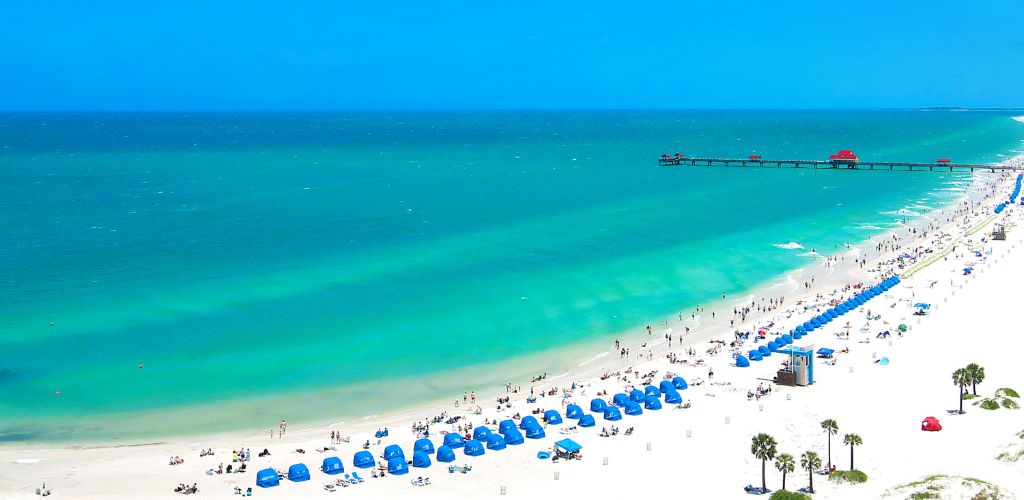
228	55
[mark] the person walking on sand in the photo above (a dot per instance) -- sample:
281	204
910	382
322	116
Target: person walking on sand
711	374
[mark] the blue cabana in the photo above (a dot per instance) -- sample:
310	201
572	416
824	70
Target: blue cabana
764	350
780	341
420	459
534	432
666	385
552	417
587	421
513	436
446	454
772	346
423	445
392	451
568	445
267	478
801	329
754	355
495	442
787	338
505	425
528	421
475	448
332	465
598	404
797	335
397	466
673	398
633	408
573	411
619	399
453	440
363	460
652	403
612	413
298	473
679	383
636	395
651	391
742	362
481	433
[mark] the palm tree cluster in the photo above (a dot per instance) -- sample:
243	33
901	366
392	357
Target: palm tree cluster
968	376
764	448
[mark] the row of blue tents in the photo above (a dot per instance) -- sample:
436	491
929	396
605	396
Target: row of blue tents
509	433
1013	196
816	322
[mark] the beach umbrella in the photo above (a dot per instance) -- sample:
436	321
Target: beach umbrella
495	442
425	445
552	417
741	361
673	398
474	448
332	465
505	425
652	403
636	395
680	383
446	454
612	413
573	412
765	351
481	433
587	421
598	405
453	440
420	459
392	451
666	385
528	421
513	437
651	391
397	466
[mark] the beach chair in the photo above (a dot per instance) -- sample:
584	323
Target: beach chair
355	476
451	469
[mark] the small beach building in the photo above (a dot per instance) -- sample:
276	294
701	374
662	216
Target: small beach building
267	478
445	454
397	466
298	473
363	460
332	465
420	459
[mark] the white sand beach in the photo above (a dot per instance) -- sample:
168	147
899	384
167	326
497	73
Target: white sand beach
702	451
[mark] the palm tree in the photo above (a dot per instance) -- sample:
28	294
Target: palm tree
785	464
831	428
977	376
810	461
961	379
763	447
852	440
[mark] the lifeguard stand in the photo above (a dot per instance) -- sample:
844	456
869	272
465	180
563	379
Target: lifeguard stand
801	366
999	233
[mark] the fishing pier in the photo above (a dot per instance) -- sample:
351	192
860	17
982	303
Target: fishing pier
844	159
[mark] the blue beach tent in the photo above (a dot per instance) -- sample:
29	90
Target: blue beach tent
573	411
651	391
808	326
298	473
612	413
453	440
680	383
801	329
666	385
420	459
446	454
587	421
742	362
392	451
636	395
673	398
505	425
528	421
797	335
474	448
423	445
397	466
825	352
332	465
363	460
481	433
772	346
535	431
619	399
267	478
495	442
754	355
513	436
787	338
764	350
598	404
652	403
633	408
552	417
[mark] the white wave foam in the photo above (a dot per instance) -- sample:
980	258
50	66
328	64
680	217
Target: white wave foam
595	358
792	245
1018	119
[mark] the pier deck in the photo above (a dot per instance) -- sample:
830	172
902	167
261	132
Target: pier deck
837	164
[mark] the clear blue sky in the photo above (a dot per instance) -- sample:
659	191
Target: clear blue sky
184	55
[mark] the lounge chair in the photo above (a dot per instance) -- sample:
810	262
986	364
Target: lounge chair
356	477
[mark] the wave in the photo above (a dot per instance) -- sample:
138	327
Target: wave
595	358
792	245
870	227
1018	119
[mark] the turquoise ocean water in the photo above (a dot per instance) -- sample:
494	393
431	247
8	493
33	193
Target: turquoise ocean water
309	266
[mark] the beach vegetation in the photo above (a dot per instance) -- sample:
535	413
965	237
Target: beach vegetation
785	464
831	428
852	440
961	379
941	486
848	476
1010	404
763	448
968	397
1007	392
975	375
810	461
789	495
989	404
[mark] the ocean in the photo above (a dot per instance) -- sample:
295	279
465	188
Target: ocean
173	274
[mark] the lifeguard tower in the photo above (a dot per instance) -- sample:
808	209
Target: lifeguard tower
800	370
